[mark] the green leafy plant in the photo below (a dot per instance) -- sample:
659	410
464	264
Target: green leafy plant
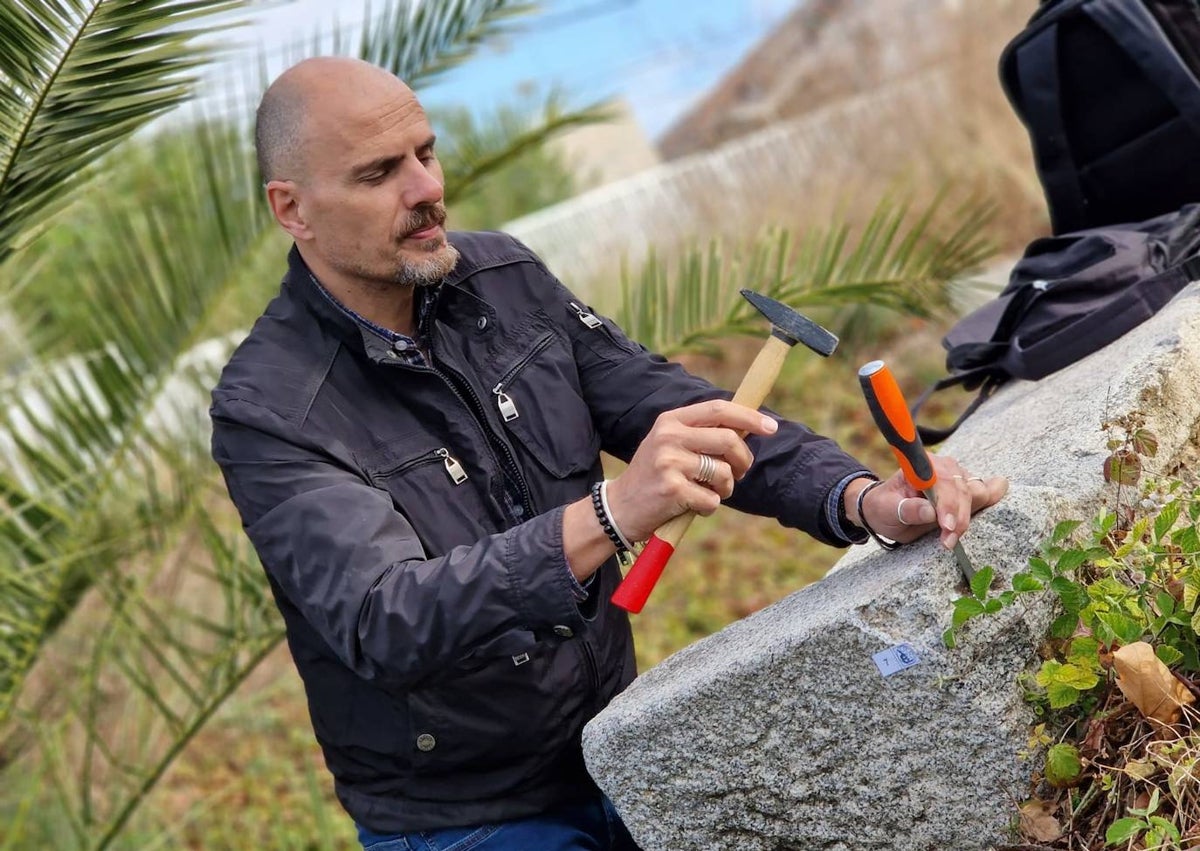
1132	575
1129	574
1154	831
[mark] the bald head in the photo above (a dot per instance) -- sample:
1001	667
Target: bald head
305	97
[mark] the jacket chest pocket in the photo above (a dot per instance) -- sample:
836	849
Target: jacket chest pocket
433	489
539	399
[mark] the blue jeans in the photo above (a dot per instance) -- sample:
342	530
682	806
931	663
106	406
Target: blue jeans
590	826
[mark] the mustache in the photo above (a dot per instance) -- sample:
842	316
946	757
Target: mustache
423	217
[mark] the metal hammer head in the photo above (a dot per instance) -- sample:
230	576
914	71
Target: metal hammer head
792	326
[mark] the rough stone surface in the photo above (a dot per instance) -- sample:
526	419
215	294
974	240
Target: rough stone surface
780	733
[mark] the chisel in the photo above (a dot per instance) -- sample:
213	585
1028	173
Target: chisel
890	411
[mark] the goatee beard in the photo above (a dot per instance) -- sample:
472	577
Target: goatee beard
432	270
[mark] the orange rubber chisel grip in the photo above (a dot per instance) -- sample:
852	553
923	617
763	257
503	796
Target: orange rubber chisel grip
890	411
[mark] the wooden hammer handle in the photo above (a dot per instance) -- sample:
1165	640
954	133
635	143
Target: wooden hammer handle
633	592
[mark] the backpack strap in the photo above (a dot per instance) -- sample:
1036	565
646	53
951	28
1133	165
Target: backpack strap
1041	100
986	380
1134	27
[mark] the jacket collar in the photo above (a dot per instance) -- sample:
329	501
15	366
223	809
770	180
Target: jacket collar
456	309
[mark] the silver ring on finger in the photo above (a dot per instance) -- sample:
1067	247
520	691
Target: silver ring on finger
900	514
708	469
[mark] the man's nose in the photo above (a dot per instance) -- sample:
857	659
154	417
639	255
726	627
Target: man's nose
424	186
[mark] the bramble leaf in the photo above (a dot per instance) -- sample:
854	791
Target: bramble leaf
1165	603
1073	595
1145	442
1084	651
1187	539
1165	520
1122	467
965	608
1070	560
1064	625
1025	583
1063	766
1039	569
1168	655
1126	629
1066	527
981	582
1061	695
1123	830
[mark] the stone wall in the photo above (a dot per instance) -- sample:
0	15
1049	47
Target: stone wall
780	734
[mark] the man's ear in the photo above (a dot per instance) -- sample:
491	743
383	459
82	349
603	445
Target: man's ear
284	200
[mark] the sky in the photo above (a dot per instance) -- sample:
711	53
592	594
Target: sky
659	55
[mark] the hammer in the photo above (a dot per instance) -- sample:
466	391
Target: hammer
788	327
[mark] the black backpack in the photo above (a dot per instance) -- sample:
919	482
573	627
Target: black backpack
1109	91
1068	296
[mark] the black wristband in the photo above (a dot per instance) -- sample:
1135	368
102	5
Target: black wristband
886	543
605	521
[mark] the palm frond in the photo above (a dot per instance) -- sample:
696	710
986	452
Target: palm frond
899	262
104	447
419	41
76	78
475	150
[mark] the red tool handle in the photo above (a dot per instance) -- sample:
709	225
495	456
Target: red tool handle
887	405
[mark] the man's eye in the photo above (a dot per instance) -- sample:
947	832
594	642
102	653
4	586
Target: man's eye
373	177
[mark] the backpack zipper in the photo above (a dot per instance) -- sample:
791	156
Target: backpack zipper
508	408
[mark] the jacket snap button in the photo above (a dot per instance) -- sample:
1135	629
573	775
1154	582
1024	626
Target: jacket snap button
563	631
482	323
426	742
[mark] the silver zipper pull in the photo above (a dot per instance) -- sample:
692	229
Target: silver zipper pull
455	470
508	408
586	318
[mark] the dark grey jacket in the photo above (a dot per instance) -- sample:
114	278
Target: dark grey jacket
448	663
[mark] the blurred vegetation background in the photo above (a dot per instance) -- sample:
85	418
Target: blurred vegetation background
146	698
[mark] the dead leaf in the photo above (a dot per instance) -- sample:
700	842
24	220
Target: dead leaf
1149	684
1093	739
1141	769
1038	823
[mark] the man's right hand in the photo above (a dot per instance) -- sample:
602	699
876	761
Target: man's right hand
660	482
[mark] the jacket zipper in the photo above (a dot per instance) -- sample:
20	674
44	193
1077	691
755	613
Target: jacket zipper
588	319
507	463
508	408
454	468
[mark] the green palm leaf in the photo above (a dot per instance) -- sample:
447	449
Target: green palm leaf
134	290
419	41
898	262
473	151
76	78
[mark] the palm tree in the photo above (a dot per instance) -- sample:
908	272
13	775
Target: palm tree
134	263
109	509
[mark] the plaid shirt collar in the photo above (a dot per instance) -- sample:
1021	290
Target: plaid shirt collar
407	348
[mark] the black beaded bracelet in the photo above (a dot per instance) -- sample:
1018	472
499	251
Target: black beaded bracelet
886	543
605	521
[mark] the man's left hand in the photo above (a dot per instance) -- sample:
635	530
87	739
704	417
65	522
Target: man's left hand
898	511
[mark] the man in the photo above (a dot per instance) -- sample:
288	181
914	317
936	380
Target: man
411	433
